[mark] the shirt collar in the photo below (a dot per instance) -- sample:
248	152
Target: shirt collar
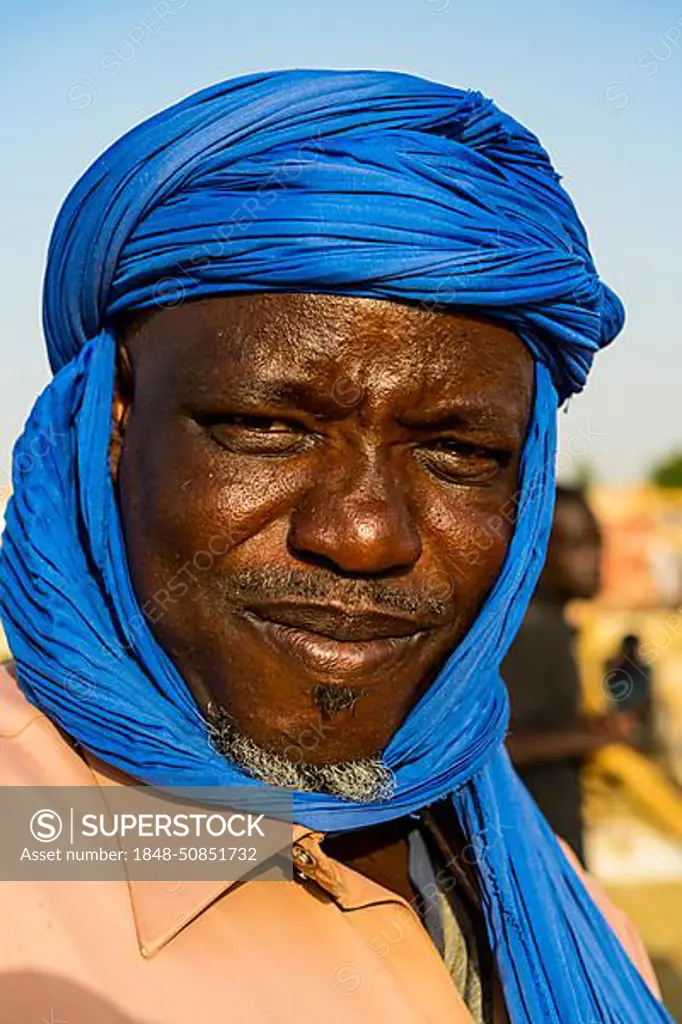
162	909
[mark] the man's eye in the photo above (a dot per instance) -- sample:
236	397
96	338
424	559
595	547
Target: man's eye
463	460
256	435
264	423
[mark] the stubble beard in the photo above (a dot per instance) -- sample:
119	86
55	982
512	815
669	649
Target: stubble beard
361	780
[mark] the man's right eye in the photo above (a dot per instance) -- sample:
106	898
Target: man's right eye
257	435
264	423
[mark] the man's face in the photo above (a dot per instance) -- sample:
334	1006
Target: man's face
310	488
573	566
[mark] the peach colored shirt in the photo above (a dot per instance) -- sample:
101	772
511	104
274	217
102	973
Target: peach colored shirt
344	950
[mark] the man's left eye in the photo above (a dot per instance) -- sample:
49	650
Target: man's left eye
464	461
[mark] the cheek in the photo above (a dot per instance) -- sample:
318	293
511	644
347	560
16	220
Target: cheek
185	506
471	534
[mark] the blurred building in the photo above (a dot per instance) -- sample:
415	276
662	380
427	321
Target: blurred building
641	594
642	561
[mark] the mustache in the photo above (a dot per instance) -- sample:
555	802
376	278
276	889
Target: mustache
321	585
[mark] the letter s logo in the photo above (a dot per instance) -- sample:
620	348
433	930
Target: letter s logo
46	826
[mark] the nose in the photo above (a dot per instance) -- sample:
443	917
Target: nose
357	519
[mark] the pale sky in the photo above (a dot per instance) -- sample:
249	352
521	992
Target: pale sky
600	81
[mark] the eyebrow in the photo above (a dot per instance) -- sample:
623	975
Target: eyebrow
470	415
304	396
282	392
481	413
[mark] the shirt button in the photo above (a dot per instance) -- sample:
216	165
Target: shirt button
302	858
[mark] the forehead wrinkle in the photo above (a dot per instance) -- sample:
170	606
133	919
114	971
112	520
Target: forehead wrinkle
296	376
322	341
312	349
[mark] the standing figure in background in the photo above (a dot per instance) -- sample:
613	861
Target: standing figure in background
550	738
627	683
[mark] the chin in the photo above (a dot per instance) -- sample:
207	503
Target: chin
360	779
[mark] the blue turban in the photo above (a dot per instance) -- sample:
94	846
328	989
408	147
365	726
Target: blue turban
352	183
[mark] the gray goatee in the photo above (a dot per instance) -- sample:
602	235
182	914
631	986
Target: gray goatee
360	781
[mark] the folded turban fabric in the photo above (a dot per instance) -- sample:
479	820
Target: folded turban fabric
351	183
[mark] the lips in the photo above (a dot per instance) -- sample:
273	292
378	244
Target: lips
336	642
337	623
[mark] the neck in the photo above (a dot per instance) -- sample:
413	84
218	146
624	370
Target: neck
380	853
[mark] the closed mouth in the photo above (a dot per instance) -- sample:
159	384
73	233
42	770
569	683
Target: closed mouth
337	623
336	645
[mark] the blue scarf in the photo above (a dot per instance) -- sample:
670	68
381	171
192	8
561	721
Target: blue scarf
352	183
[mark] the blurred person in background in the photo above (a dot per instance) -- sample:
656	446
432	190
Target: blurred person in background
627	683
550	739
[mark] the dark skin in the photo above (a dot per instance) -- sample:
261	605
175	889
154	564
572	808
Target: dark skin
572	571
349	508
